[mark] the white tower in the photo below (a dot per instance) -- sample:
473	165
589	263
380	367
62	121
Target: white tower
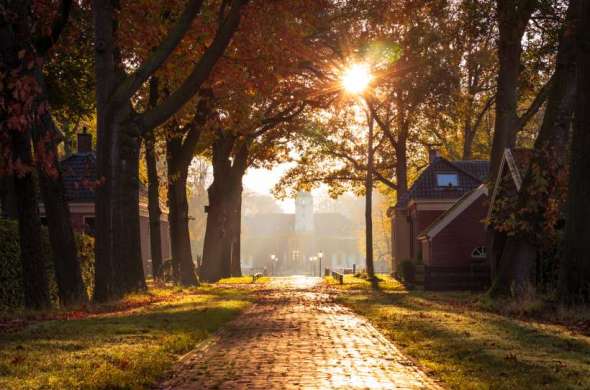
304	213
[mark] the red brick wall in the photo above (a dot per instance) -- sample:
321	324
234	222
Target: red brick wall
421	220
426	217
78	221
400	236
454	244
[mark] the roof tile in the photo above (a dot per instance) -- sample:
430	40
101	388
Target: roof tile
471	173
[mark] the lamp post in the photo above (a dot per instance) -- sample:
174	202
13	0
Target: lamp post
273	259
312	259
369	200
320	255
356	80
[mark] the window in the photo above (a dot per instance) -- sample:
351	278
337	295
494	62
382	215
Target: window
447	180
479	253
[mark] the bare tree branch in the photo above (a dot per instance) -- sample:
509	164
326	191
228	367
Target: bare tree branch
199	74
535	105
160	54
482	113
385	180
269	123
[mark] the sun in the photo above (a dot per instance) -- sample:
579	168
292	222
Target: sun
356	78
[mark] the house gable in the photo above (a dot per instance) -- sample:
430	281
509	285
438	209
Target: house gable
458	238
79	176
452	213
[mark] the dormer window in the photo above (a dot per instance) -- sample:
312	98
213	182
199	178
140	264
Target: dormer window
447	180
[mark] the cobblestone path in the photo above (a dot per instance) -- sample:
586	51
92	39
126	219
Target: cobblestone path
295	337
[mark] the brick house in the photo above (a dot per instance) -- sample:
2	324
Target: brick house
439	221
457	237
79	174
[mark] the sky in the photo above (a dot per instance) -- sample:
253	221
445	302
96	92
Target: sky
263	180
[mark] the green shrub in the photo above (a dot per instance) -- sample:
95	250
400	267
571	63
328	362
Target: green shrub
85	244
408	271
11	273
10	266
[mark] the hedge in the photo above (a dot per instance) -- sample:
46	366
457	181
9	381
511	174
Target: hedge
11	273
86	254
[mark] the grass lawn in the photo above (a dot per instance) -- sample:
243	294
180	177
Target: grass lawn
130	344
246	279
351	282
470	345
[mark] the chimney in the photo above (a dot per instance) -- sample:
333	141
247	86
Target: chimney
84	142
432	154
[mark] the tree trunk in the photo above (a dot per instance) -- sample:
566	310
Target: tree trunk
61	234
8	197
106	279
216	247
512	24
127	238
15	38
180	148
516	272
238	170
236	228
154	206
369	205
119	267
178	217
153	189
118	255
468	130
574	278
495	243
214	265
401	172
29	228
401	167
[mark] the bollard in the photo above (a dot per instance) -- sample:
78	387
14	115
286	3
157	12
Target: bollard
354	269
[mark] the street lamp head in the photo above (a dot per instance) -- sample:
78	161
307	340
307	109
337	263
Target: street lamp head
321	254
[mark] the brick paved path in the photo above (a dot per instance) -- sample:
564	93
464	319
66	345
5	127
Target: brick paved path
296	337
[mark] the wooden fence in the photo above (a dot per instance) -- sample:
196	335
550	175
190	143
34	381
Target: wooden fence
475	277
